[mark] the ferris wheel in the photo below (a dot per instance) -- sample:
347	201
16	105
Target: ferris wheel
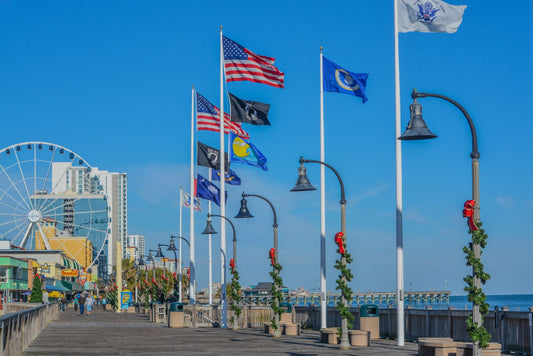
52	199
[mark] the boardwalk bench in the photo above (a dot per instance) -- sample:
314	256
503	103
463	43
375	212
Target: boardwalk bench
329	336
290	329
436	346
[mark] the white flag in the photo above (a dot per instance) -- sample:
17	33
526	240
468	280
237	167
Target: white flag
186	201
429	16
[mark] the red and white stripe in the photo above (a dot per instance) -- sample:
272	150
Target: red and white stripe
210	122
255	68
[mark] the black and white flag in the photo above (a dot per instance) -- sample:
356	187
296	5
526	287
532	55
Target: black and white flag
250	112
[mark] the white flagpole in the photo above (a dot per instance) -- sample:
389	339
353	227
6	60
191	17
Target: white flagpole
323	290
222	192
192	266
399	198
210	257
179	281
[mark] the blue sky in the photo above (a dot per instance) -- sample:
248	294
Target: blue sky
112	82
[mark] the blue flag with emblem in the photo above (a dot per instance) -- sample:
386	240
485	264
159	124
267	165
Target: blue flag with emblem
340	80
245	152
231	177
207	190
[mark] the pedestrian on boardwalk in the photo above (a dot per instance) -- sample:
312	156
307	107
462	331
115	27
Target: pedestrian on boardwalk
89	303
63	303
104	302
76	297
81	301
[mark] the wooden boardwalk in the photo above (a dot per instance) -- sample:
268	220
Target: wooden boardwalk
108	333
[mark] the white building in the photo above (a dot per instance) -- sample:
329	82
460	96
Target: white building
135	247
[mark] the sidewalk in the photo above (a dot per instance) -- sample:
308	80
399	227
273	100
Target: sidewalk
107	333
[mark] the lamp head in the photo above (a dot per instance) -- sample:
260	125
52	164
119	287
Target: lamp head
416	128
171	245
141	261
209	230
243	211
159	254
302	183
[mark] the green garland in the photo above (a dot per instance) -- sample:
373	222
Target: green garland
276	293
235	298
477	333
342	286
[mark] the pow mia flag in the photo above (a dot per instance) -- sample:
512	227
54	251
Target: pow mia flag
250	112
210	157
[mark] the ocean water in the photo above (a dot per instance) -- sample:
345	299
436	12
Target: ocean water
514	301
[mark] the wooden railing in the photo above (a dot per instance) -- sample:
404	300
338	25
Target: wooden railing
512	329
20	328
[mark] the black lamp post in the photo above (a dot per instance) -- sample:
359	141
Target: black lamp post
417	130
171	247
245	213
209	230
303	184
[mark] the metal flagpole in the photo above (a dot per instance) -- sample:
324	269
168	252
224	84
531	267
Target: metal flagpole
209	244
179	275
323	307
222	192
399	198
192	279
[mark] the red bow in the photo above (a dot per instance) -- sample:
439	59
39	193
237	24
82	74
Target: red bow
174	275
468	212
153	281
232	265
139	285
340	242
189	273
272	254
146	282
164	277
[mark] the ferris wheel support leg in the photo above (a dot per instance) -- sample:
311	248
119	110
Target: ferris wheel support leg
26	236
45	240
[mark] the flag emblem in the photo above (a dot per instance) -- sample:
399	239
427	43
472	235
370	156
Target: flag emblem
243	151
426	12
345	80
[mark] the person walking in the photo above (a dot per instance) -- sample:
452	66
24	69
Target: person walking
104	302
89	303
75	302
81	301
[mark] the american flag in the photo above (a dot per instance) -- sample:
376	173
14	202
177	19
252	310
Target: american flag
207	117
242	64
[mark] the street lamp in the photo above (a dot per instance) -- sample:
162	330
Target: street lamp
245	213
172	237
417	130
209	230
171	247
303	184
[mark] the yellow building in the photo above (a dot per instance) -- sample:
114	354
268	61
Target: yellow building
78	248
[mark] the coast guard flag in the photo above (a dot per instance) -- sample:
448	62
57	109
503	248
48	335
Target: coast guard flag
207	190
186	201
242	64
231	177
429	16
243	151
340	80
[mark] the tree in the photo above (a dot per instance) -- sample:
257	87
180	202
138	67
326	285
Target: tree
36	290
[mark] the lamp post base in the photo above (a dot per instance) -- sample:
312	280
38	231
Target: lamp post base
344	345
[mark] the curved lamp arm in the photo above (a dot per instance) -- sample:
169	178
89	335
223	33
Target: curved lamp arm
228	220
343	196
269	203
475	153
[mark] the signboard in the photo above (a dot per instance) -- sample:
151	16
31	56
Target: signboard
69	273
125	299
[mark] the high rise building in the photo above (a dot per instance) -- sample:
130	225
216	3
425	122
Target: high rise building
91	181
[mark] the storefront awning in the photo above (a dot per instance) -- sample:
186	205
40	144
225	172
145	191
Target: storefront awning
56	288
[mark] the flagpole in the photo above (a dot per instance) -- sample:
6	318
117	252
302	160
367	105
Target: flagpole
323	290
399	198
222	192
192	268
209	244
179	276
